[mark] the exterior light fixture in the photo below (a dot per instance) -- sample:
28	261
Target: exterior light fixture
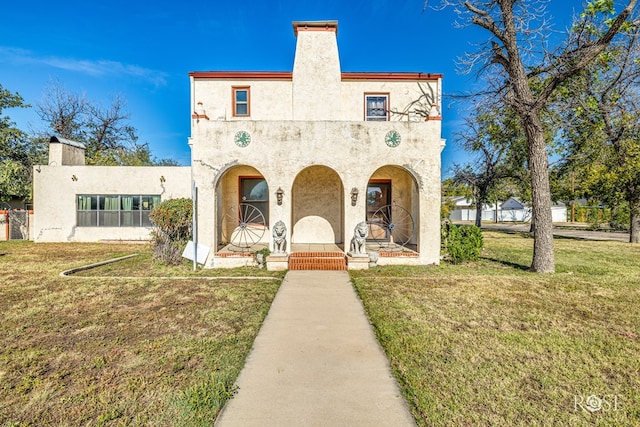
74	178
279	195
162	179
354	196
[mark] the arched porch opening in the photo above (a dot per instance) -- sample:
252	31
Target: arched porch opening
393	209
317	207
242	210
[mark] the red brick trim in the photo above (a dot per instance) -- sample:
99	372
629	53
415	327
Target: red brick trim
331	26
288	75
304	254
397	254
234	254
243	75
391	76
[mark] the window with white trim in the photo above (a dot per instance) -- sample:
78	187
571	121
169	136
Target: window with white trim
115	210
376	107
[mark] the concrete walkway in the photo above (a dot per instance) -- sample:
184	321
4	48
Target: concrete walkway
316	362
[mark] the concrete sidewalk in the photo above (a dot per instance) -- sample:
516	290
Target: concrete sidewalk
316	362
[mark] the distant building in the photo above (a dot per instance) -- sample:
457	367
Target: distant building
511	210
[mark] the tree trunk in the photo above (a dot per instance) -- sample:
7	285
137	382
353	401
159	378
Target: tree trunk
634	214
478	215
543	258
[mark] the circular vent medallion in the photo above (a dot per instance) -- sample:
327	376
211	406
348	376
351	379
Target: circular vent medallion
392	138
242	138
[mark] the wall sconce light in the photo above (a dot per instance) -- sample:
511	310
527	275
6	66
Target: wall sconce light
354	196
74	178
279	195
162	179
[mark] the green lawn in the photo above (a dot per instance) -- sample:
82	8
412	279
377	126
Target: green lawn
492	344
124	350
482	344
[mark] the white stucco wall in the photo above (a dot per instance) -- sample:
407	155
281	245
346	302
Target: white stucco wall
354	150
402	95
309	137
55	201
316	75
317	199
270	99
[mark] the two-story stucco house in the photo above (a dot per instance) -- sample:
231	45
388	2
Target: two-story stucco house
297	160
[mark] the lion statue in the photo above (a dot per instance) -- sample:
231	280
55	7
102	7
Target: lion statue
279	238
358	243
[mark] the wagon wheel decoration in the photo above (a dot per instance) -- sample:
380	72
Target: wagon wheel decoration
243	226
391	227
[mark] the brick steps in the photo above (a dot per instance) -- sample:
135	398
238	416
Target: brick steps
317	261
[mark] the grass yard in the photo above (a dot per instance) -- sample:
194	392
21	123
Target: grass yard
128	350
491	344
482	344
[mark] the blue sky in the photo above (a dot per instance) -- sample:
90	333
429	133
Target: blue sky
144	51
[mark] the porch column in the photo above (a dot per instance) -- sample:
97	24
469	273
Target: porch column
355	202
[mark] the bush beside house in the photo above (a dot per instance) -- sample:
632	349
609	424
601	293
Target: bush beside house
172	221
461	243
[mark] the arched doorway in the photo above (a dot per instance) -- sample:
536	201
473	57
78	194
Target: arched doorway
317	210
392	209
242	220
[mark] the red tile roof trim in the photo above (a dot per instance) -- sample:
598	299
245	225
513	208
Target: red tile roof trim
243	75
288	75
391	76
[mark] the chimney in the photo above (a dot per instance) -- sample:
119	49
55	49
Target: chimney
316	71
65	152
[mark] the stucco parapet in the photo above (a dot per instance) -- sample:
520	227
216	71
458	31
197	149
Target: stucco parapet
428	131
112	169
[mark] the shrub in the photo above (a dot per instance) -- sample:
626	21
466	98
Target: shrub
172	229
260	256
461	243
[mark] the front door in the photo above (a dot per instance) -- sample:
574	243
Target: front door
378	196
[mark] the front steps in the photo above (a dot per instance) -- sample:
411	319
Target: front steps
317	261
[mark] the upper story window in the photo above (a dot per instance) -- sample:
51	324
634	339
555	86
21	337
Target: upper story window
241	101
376	107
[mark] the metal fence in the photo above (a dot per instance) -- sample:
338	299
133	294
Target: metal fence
16	224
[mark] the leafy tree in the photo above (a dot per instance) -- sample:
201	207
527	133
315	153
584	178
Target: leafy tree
520	65
451	188
18	153
492	133
603	131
